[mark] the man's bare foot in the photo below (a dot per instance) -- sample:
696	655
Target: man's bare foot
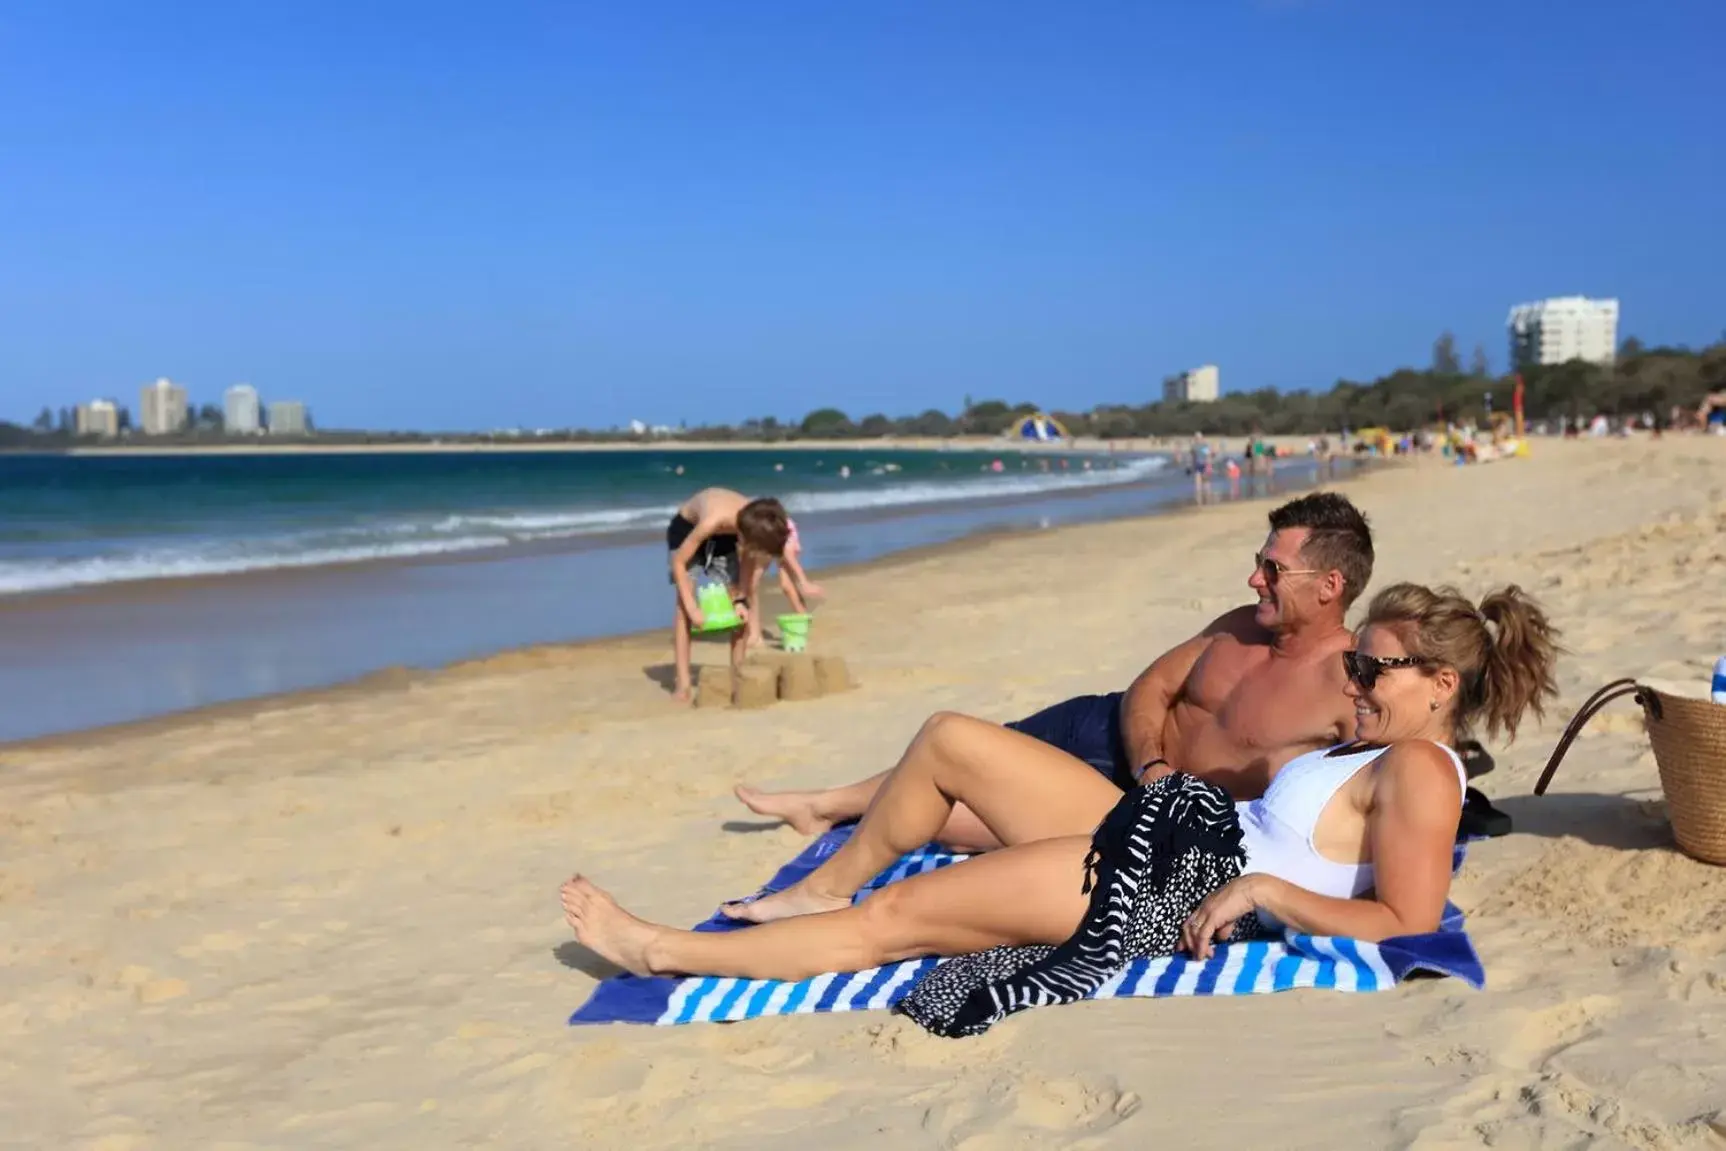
606	929
801	809
683	693
794	900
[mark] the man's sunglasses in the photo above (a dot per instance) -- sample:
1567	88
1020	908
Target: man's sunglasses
1365	669
1274	571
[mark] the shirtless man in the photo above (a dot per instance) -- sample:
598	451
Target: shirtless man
1259	686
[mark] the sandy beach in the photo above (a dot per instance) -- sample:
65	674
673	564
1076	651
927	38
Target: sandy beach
332	921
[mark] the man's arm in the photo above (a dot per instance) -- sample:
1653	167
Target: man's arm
1145	704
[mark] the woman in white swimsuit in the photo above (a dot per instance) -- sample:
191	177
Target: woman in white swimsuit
1351	841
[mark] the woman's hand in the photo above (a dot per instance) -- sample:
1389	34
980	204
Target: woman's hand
1215	918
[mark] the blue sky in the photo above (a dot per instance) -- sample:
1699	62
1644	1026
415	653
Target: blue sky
446	215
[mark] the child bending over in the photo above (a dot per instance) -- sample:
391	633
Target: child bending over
730	538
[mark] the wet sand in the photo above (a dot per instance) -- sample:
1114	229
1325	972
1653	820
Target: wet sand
331	920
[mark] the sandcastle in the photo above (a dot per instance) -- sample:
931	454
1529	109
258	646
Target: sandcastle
770	677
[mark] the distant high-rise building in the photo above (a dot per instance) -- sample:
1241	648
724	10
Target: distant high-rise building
288	418
1198	386
162	408
98	418
1562	329
240	410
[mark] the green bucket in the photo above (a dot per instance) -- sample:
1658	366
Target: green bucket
718	613
793	632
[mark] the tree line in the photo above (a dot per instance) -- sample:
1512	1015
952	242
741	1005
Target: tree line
1643	379
1653	380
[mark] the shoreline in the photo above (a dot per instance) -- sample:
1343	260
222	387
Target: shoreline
395	678
1079	445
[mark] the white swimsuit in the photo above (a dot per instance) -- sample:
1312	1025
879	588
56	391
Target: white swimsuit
1277	828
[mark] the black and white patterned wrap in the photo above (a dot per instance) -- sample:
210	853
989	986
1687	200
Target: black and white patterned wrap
1153	859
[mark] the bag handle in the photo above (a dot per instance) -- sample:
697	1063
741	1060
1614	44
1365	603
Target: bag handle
1617	689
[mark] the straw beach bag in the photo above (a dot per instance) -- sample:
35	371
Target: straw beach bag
1689	738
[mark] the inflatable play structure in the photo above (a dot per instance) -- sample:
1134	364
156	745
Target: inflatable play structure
1039	428
1711	413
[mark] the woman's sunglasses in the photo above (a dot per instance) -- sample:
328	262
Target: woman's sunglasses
1365	669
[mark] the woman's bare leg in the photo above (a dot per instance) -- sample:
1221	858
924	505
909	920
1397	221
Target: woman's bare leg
1025	894
815	812
1021	788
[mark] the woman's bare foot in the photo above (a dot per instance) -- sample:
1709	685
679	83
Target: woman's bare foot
606	929
794	900
801	809
682	693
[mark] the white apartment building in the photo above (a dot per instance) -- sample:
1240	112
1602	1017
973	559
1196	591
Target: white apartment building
240	411
288	418
1199	386
162	408
98	418
1562	329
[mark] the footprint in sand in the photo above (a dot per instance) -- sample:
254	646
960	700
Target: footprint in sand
1022	1110
218	943
771	1060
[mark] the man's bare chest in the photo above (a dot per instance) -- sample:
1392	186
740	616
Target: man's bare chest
1261	701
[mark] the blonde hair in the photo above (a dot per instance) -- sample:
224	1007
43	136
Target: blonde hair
1503	675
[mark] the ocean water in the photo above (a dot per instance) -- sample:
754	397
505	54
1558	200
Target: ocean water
71	521
101	622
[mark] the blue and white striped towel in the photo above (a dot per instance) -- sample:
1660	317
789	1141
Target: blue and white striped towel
1236	969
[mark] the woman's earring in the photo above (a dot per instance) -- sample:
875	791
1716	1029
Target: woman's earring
1434	705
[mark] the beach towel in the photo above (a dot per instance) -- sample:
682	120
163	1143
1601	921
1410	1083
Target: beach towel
1247	968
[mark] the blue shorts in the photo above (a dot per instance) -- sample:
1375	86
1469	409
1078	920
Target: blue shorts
1087	727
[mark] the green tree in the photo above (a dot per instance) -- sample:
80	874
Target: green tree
1444	361
931	423
826	423
988	418
1477	363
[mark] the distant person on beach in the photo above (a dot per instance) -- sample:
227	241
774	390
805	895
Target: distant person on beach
1258	687
724	536
1353	841
794	582
1199	465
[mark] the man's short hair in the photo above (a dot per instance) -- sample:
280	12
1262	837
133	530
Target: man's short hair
1338	538
764	526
